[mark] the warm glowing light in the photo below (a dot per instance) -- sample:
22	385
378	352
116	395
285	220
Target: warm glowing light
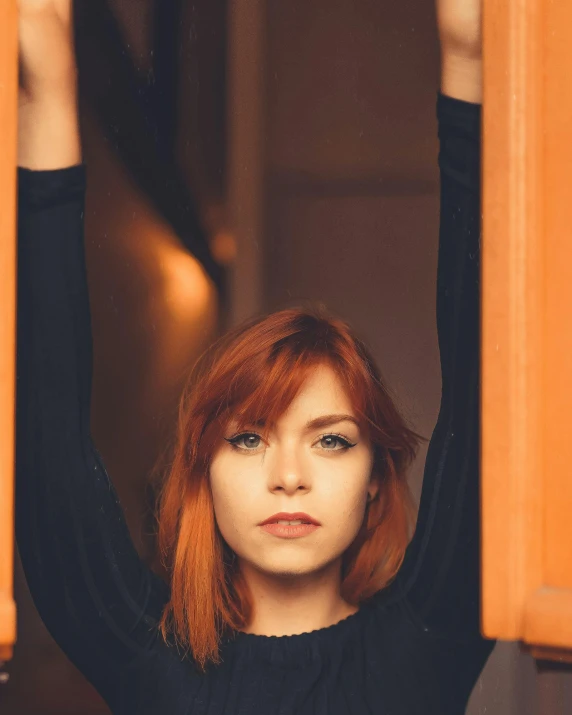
224	247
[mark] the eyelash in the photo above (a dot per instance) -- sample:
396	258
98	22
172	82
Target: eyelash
236	438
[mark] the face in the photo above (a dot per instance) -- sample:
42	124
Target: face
298	469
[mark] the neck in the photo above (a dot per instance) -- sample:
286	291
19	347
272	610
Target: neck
291	604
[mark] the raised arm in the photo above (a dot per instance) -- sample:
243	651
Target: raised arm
441	571
96	597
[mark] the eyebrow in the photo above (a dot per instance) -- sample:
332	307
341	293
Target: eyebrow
322	421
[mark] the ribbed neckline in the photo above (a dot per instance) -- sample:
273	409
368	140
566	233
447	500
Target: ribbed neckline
294	649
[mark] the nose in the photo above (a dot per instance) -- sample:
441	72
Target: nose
287	470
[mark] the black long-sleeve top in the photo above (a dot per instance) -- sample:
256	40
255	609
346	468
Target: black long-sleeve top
414	649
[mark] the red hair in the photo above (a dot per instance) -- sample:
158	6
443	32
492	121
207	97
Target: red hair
252	373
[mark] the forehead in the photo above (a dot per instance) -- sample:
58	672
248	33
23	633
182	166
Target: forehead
323	383
322	393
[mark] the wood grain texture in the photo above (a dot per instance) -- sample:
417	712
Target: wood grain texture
527	387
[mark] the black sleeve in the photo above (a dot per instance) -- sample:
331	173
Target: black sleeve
441	571
95	595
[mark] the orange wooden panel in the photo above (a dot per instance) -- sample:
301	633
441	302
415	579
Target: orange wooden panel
8	155
527	332
557	198
512	278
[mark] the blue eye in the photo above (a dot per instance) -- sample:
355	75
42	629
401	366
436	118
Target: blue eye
338	438
237	438
248	446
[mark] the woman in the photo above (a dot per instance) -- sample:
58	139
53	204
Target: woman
284	419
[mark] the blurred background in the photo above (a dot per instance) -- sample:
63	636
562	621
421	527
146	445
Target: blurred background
245	156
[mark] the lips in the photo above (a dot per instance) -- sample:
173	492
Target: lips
285	516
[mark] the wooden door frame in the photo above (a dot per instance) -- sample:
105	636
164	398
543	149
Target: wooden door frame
520	601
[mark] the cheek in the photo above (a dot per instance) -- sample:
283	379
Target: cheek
234	498
349	498
350	483
352	509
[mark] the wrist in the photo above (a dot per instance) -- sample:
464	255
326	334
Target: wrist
60	88
462	77
48	132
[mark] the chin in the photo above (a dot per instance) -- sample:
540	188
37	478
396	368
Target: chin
288	573
290	565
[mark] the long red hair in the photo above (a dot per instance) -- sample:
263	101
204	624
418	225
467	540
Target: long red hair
252	373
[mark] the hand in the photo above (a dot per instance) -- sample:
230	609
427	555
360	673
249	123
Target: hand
46	48
460	28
